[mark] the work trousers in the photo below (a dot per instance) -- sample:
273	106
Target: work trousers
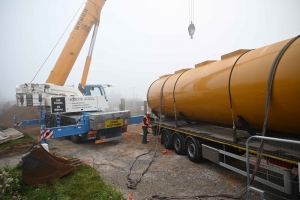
145	132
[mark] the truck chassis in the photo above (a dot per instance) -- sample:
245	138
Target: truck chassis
278	169
81	126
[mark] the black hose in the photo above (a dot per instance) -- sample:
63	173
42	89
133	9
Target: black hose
131	184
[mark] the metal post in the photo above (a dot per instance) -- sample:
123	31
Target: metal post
287	176
268	172
224	154
145	106
247	164
298	174
261	192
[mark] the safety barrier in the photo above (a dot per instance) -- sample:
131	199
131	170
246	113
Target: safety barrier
136	119
278	170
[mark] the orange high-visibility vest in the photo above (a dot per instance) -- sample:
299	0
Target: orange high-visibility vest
147	121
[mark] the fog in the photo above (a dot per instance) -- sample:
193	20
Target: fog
137	40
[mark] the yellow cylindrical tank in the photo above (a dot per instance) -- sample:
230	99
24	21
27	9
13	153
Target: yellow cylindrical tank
204	92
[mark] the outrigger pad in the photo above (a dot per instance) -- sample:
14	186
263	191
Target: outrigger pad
40	166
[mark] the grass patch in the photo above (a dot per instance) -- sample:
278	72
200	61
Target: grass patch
82	183
22	140
3	126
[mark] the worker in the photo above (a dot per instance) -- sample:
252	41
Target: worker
145	126
191	29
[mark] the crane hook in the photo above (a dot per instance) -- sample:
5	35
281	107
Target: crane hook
191	29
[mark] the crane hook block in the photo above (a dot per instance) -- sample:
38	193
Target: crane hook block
191	30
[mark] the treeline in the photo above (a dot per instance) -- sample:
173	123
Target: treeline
4	106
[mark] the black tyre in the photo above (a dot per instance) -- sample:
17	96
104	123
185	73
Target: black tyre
76	139
47	121
193	150
166	139
178	144
53	122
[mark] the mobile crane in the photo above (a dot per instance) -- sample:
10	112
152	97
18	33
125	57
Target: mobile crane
67	111
81	114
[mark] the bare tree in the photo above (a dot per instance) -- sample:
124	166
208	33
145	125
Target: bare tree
4	107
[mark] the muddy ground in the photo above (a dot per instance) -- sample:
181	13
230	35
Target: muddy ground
169	174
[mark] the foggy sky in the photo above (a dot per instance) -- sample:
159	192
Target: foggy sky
138	40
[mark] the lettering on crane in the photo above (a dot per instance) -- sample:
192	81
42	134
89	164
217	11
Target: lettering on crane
113	123
58	104
79	22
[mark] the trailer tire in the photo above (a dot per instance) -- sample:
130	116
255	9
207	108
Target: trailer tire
193	150
166	139
76	139
178	144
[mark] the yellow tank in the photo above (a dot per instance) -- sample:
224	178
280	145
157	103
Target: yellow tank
202	93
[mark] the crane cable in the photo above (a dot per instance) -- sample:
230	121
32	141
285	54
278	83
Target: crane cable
57	42
191	11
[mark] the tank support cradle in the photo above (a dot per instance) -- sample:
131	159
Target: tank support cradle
246	126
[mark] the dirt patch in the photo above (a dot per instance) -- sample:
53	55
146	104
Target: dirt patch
16	149
169	174
22	113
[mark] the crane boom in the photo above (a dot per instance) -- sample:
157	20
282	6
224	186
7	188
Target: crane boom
89	17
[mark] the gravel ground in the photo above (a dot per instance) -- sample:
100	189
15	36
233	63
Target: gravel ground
169	174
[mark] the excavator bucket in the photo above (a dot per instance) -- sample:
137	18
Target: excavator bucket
40	166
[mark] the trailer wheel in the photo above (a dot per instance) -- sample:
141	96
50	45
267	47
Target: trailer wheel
192	150
166	139
76	139
178	144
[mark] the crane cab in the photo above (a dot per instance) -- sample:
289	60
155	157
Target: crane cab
95	90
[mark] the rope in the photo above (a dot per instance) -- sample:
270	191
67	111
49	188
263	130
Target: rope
174	101
268	100
56	43
229	92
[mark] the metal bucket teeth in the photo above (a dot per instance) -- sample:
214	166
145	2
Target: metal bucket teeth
40	166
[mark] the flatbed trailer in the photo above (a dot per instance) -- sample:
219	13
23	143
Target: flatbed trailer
278	169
